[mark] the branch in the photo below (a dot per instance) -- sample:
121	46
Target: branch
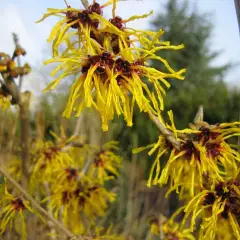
167	133
237	7
15	39
23	103
86	166
35	204
85	3
10	87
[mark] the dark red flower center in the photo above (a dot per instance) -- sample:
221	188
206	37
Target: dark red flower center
227	193
191	150
72	173
18	204
207	134
213	149
117	22
50	152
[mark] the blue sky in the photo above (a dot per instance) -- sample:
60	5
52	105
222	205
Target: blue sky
20	15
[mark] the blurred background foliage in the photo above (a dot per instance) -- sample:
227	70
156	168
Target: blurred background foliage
204	85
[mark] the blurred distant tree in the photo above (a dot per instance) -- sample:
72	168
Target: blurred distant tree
204	82
234	105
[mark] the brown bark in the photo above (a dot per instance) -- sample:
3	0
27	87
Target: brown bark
24	135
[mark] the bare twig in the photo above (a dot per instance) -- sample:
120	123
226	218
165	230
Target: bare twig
50	223
15	39
167	133
24	129
77	127
87	165
75	134
237	7
23	103
35	204
66	3
85	3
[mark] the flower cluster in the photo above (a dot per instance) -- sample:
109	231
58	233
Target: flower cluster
71	177
76	196
113	71
203	170
77	184
106	162
111	63
169	230
9	71
204	152
219	204
12	213
5	101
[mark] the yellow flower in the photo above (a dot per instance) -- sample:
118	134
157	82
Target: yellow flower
169	230
224	233
111	84
15	169
203	152
3	68
48	156
75	19
5	102
114	73
106	162
12	211
217	205
77	199
101	234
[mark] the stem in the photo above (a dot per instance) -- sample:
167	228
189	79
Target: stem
86	166
114	9
237	7
15	39
66	3
85	3
24	132
53	232
168	134
77	127
35	204
23	104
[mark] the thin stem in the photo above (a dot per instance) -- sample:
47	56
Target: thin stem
77	127
75	134
50	223
237	7
168	134
15	39
35	204
114	8
86	166
66	3
23	104
85	3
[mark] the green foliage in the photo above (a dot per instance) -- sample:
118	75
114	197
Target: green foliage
203	84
